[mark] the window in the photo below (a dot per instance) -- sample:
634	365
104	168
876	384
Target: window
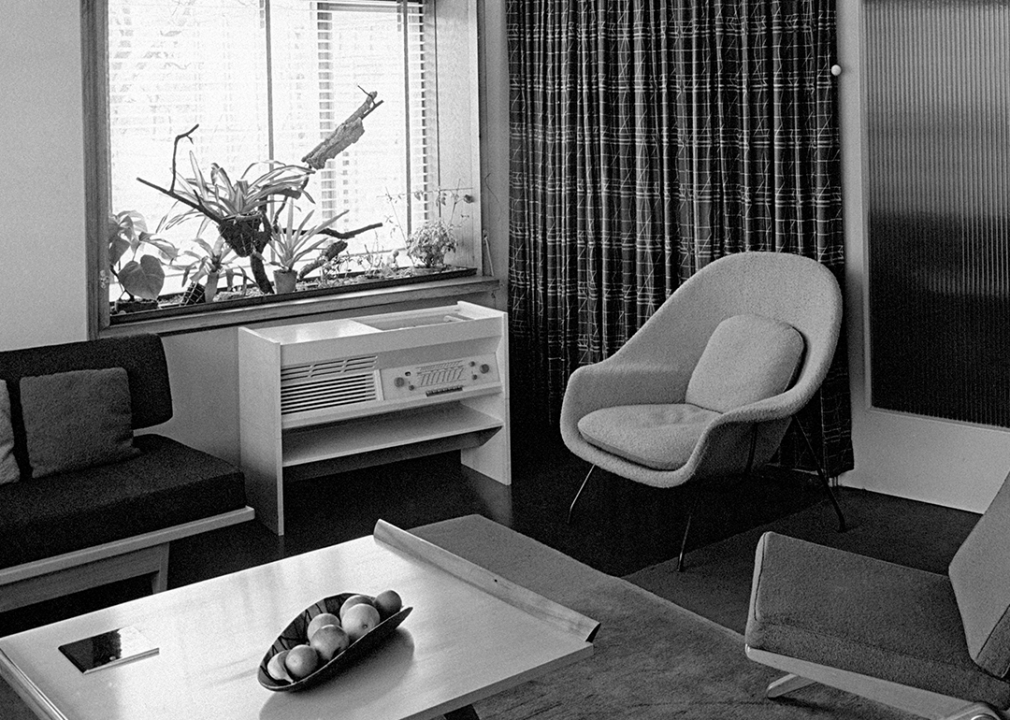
268	80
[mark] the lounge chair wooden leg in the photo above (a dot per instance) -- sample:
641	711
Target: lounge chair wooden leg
786	684
579	493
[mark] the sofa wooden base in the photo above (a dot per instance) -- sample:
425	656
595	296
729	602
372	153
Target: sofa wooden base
137	556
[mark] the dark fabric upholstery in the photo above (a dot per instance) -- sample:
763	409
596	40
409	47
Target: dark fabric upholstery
980	576
76	419
167	484
142	356
856	613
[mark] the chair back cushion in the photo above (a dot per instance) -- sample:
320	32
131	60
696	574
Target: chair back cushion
747	358
980	576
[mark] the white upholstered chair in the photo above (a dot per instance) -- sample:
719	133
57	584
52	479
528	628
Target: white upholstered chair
708	386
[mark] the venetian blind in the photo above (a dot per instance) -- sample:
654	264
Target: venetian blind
269	79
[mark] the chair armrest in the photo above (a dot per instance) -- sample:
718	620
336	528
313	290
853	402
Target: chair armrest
609	383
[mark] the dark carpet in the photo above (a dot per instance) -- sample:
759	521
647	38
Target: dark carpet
716	581
651	658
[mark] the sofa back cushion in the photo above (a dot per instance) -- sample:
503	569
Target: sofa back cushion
747	358
142	355
980	576
76	420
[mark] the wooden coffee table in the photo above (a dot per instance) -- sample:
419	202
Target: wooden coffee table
470	635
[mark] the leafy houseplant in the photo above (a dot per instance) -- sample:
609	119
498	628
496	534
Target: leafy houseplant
143	278
430	243
209	262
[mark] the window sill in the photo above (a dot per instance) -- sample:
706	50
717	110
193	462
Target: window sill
349	301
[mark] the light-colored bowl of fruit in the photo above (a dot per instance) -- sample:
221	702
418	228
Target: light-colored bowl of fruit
327	637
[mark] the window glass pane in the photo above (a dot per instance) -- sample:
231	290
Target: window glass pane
270	80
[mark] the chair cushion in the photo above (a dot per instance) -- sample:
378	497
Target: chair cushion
980	576
660	436
747	358
9	470
167	484
855	613
77	419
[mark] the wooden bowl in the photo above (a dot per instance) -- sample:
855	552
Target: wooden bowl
294	634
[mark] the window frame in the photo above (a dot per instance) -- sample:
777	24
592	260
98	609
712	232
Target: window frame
94	28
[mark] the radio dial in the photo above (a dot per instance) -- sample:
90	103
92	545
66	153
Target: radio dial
485	368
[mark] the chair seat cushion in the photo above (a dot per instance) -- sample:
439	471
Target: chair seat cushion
166	484
863	615
747	358
660	436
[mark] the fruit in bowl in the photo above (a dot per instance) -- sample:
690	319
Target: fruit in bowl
328	636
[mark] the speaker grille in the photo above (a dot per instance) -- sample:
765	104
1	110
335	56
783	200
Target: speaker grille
328	384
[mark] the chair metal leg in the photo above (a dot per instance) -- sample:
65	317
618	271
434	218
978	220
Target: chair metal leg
683	540
786	684
821	474
579	493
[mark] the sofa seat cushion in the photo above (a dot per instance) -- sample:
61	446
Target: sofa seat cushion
864	615
166	484
659	436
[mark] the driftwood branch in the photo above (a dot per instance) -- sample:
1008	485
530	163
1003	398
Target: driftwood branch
175	153
347	235
344	135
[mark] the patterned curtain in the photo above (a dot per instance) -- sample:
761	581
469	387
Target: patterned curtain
648	138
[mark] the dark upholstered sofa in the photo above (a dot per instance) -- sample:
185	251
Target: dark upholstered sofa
88	525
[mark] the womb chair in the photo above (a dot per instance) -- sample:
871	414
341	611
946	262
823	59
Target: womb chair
708	386
935	645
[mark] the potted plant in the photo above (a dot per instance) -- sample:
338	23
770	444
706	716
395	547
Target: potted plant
141	278
203	273
290	243
429	244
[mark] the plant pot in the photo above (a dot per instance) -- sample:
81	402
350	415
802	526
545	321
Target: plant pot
285	281
136	305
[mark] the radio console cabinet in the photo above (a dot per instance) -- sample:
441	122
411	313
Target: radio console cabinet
322	397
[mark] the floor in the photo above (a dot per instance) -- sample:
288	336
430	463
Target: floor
617	527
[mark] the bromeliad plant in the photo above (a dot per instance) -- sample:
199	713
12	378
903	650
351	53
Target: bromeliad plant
239	209
290	243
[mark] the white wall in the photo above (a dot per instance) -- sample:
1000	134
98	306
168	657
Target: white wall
42	256
42	247
945	463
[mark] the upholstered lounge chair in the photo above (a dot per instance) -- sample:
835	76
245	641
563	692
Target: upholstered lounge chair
710	383
935	645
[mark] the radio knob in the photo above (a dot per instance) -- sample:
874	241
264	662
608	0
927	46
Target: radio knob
399	382
485	368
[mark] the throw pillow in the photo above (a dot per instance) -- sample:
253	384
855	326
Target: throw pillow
748	358
9	470
77	419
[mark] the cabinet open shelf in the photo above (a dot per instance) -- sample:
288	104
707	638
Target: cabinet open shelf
355	437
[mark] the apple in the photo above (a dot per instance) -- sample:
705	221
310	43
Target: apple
301	661
352	601
329	640
359	619
276	669
318	621
388	603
